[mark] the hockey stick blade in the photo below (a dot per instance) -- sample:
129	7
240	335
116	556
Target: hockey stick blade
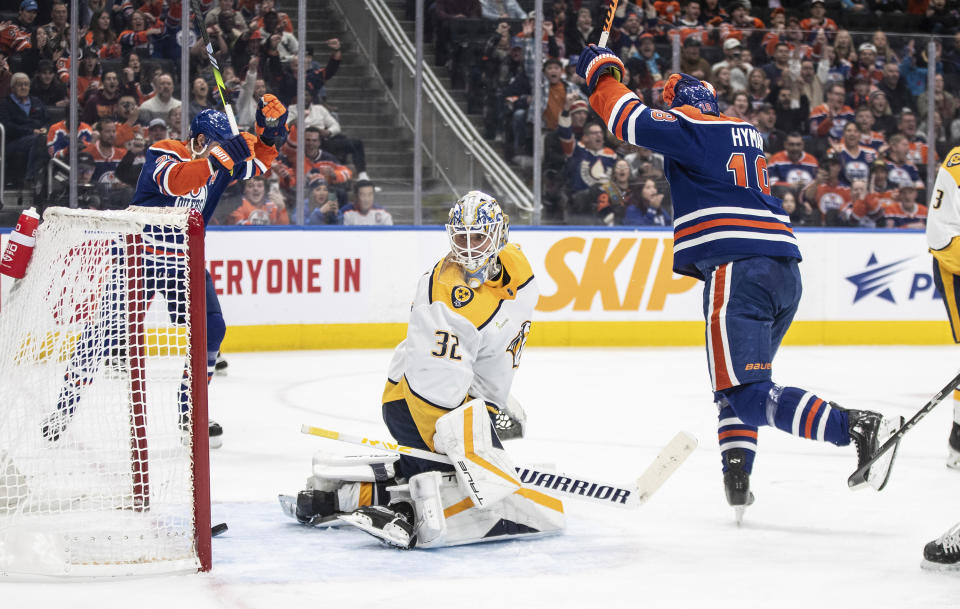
858	477
666	462
629	496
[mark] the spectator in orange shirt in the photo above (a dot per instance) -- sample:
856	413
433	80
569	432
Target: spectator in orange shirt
128	125
256	208
818	18
906	212
667	10
827	194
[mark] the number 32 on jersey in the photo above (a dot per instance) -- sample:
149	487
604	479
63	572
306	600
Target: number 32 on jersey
737	165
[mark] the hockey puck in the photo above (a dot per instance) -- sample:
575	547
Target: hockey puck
218	528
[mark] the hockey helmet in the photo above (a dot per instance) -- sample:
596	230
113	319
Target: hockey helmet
212	124
477	229
685	90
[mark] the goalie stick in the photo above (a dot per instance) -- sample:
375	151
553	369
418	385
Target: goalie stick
631	495
859	477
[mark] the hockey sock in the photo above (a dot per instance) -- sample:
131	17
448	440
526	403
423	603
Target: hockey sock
211	364
184	396
956	406
803	414
734	433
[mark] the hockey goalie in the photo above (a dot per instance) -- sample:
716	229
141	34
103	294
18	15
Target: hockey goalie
448	391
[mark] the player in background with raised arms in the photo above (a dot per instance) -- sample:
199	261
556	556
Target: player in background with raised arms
732	234
192	173
943	239
447	383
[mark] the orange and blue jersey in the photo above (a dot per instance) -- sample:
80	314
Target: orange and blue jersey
784	171
58	138
171	177
717	171
823	123
903	174
896	215
855	166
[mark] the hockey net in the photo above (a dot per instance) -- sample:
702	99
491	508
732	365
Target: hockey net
104	467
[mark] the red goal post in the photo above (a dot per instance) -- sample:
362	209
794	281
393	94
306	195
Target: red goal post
104	342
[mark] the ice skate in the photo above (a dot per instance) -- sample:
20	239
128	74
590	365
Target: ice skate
312	508
943	553
391	525
953	446
868	431
220	368
216	434
736	483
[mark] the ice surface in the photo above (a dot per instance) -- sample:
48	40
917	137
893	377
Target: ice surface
807	542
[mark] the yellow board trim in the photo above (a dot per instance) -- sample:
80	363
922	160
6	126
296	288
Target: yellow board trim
587	334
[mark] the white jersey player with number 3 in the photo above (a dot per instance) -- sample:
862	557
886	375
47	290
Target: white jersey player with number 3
448	385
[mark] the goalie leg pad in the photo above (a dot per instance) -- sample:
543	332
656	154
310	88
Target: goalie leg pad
351	468
485	472
524	514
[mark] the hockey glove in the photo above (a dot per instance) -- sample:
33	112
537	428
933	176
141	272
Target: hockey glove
595	62
231	153
271	119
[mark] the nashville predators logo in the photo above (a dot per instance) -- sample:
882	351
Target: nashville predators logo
461	296
515	347
954	160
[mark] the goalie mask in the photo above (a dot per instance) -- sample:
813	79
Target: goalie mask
477	231
685	90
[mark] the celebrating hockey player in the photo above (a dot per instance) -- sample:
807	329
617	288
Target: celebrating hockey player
192	173
448	382
732	234
943	228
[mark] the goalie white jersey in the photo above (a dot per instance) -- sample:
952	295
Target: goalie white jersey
943	216
465	343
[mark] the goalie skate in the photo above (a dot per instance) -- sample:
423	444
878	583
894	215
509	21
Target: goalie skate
288	504
391	525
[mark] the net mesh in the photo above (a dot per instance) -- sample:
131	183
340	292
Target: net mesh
96	471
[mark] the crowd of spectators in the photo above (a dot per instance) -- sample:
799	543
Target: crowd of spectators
837	89
128	87
842	109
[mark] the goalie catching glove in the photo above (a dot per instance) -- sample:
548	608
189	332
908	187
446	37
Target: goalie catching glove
595	62
271	119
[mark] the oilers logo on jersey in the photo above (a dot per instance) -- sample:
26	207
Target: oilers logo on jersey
196	199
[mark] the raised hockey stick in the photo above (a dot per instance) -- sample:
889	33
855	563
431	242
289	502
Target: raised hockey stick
198	17
607	23
630	496
858	477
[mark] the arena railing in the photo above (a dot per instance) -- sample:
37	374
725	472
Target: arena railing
455	152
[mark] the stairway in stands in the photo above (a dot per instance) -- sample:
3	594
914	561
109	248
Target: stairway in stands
359	102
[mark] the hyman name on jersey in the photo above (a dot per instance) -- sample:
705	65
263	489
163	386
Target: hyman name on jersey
746	136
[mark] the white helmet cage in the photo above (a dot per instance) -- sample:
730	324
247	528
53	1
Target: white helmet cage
477	230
